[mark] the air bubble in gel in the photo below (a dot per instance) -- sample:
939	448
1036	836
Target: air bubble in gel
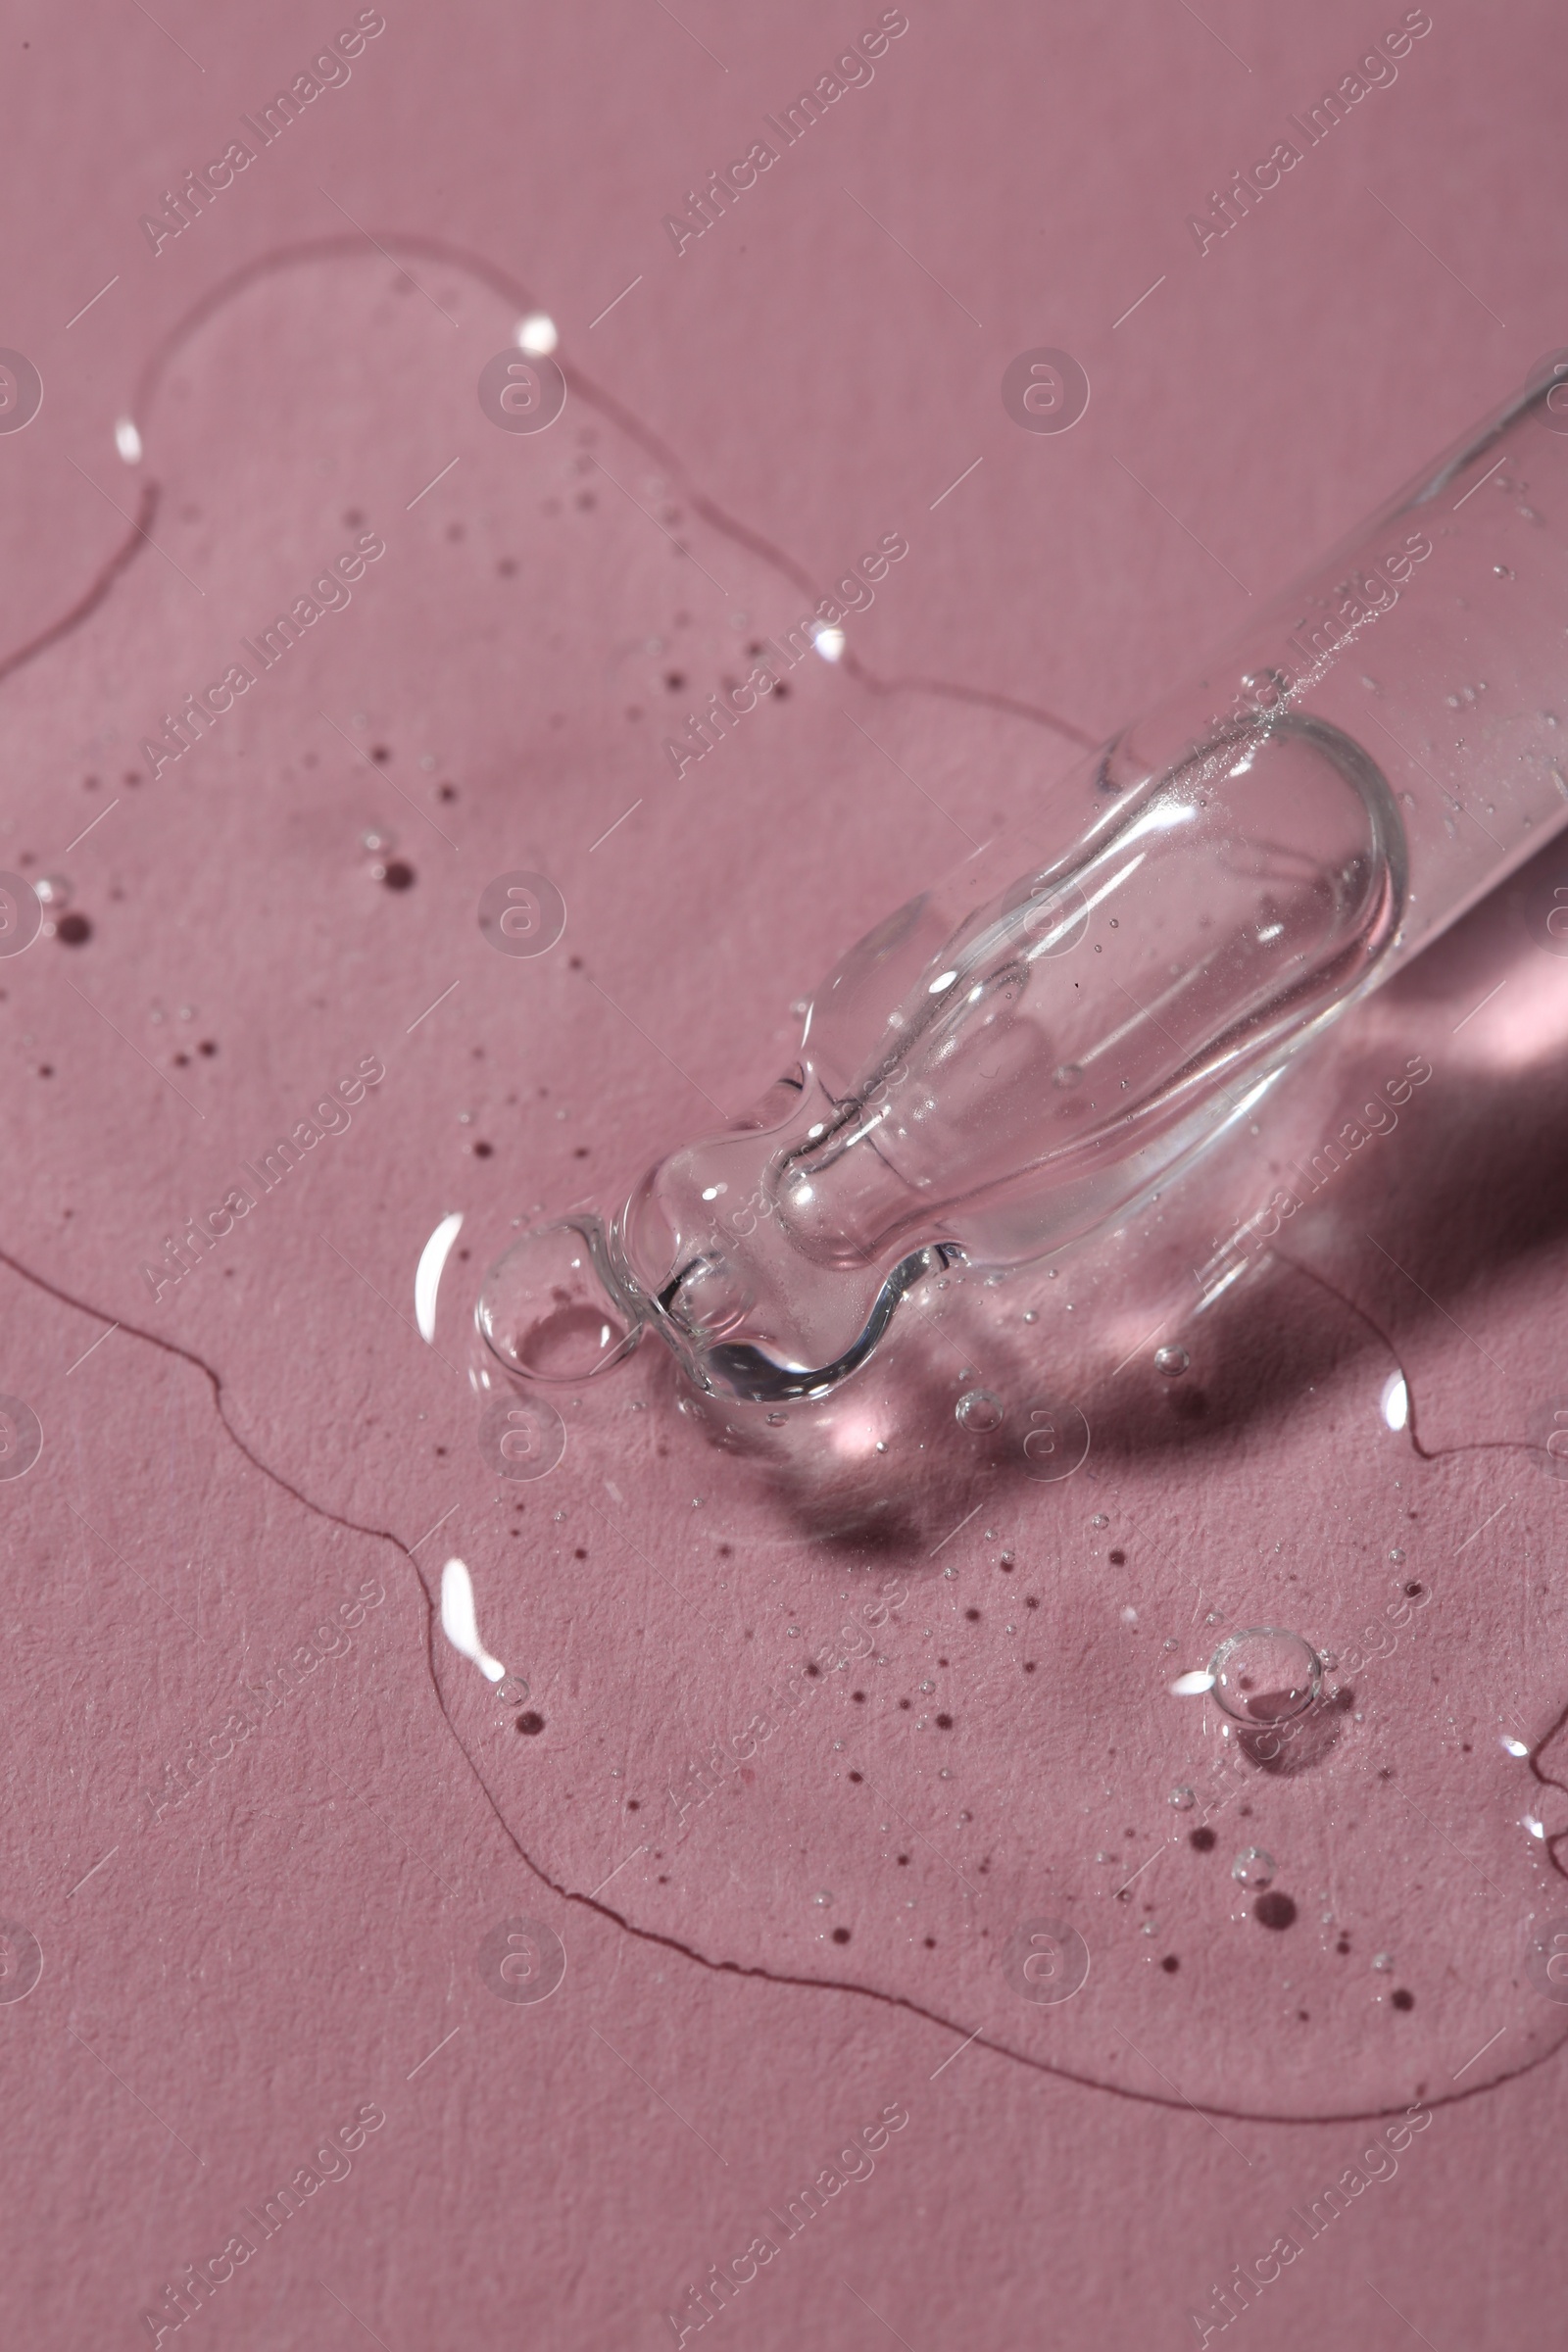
547	1310
1265	1675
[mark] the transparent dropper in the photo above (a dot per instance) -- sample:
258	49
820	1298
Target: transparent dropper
1021	1056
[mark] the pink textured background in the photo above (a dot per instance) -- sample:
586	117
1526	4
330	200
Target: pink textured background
240	1971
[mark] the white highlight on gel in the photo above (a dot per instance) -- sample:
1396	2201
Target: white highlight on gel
460	1620
1536	1829
427	1275
127	441
829	643
537	334
1513	1747
1194	1684
1395	1400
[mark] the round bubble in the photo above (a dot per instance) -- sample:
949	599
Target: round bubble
545	1310
1265	1675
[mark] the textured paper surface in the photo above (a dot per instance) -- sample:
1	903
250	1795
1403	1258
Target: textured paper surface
230	1545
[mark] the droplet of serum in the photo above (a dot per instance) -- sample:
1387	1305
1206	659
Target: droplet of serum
1265	1674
